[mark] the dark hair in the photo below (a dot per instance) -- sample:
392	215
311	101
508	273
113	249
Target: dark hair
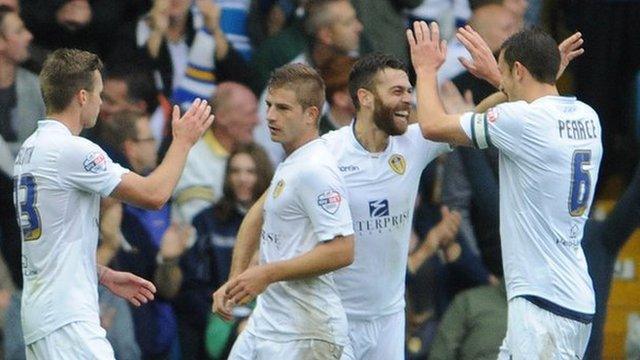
303	80
364	72
64	73
140	84
4	11
476	4
264	173
335	74
121	128
536	50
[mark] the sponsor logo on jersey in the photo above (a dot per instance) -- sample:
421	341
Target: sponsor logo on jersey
96	162
381	219
271	239
330	201
379	208
397	164
348	168
278	189
492	115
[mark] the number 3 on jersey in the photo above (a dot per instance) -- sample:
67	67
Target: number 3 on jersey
580	182
25	194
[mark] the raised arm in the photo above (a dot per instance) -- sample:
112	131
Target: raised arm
484	65
154	190
427	55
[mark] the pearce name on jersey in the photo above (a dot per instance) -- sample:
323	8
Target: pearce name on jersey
582	129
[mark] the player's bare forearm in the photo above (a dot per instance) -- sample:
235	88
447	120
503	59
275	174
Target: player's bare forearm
490	101
325	257
154	190
248	238
435	123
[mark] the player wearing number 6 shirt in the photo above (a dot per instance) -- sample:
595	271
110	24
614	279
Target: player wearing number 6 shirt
550	151
59	178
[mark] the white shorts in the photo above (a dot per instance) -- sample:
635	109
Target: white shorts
77	340
250	347
378	339
535	333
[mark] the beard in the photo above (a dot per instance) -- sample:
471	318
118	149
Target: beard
383	117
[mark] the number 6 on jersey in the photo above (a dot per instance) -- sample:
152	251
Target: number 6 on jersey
580	182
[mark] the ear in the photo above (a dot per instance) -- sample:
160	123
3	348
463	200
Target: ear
82	97
312	114
365	98
324	36
518	70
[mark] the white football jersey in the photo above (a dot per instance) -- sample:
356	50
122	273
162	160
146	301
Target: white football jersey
550	152
306	204
382	189
59	180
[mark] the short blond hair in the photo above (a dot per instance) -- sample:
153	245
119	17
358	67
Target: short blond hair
301	79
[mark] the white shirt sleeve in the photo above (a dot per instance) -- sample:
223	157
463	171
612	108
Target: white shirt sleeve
84	165
323	198
501	126
428	149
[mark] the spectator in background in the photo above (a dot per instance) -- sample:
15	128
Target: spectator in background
384	24
82	24
206	264
493	21
127	88
21	104
145	234
449	14
335	74
201	184
131	88
269	17
335	31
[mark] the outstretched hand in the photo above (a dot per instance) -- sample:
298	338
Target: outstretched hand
195	121
428	52
569	49
483	64
130	287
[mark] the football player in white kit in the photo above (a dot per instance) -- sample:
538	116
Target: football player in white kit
550	152
381	158
307	234
59	178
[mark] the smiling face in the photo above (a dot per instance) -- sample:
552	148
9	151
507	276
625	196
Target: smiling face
392	101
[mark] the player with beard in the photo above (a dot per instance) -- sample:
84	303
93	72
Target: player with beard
381	158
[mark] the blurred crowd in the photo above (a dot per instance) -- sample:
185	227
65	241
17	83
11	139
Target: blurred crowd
164	52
